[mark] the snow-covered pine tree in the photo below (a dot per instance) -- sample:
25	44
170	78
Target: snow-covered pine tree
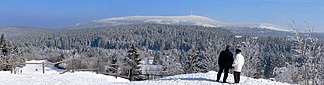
5	52
157	60
251	51
11	52
2	54
195	62
8	53
189	61
200	62
2	40
172	62
2	46
133	60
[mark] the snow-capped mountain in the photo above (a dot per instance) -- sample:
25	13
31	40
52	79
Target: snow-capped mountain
260	29
186	20
181	20
178	20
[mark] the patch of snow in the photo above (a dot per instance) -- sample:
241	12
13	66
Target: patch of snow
255	37
238	36
37	61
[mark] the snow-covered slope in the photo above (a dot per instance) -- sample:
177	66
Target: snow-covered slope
178	20
181	20
30	76
263	29
206	79
266	26
189	20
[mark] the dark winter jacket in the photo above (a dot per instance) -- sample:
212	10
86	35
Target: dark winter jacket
225	59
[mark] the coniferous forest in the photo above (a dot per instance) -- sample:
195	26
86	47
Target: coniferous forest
177	49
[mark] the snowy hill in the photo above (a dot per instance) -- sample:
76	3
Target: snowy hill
177	20
206	79
272	27
267	26
181	20
264	29
30	76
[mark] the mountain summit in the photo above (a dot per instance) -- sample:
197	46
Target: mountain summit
181	20
177	20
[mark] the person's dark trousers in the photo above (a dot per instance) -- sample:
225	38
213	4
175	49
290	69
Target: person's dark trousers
219	74
237	77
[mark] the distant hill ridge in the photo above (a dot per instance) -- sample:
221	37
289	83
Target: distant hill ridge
178	20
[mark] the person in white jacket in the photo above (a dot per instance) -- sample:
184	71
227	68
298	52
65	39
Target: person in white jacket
238	64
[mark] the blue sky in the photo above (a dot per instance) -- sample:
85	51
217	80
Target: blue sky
60	13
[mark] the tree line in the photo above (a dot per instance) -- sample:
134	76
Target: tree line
178	48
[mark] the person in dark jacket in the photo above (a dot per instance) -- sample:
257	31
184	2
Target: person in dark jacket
225	61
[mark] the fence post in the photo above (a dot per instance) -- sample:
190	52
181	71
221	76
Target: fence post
98	66
116	70
14	68
130	75
43	67
71	68
11	67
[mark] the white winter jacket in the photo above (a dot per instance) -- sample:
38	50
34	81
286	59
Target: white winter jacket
238	62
